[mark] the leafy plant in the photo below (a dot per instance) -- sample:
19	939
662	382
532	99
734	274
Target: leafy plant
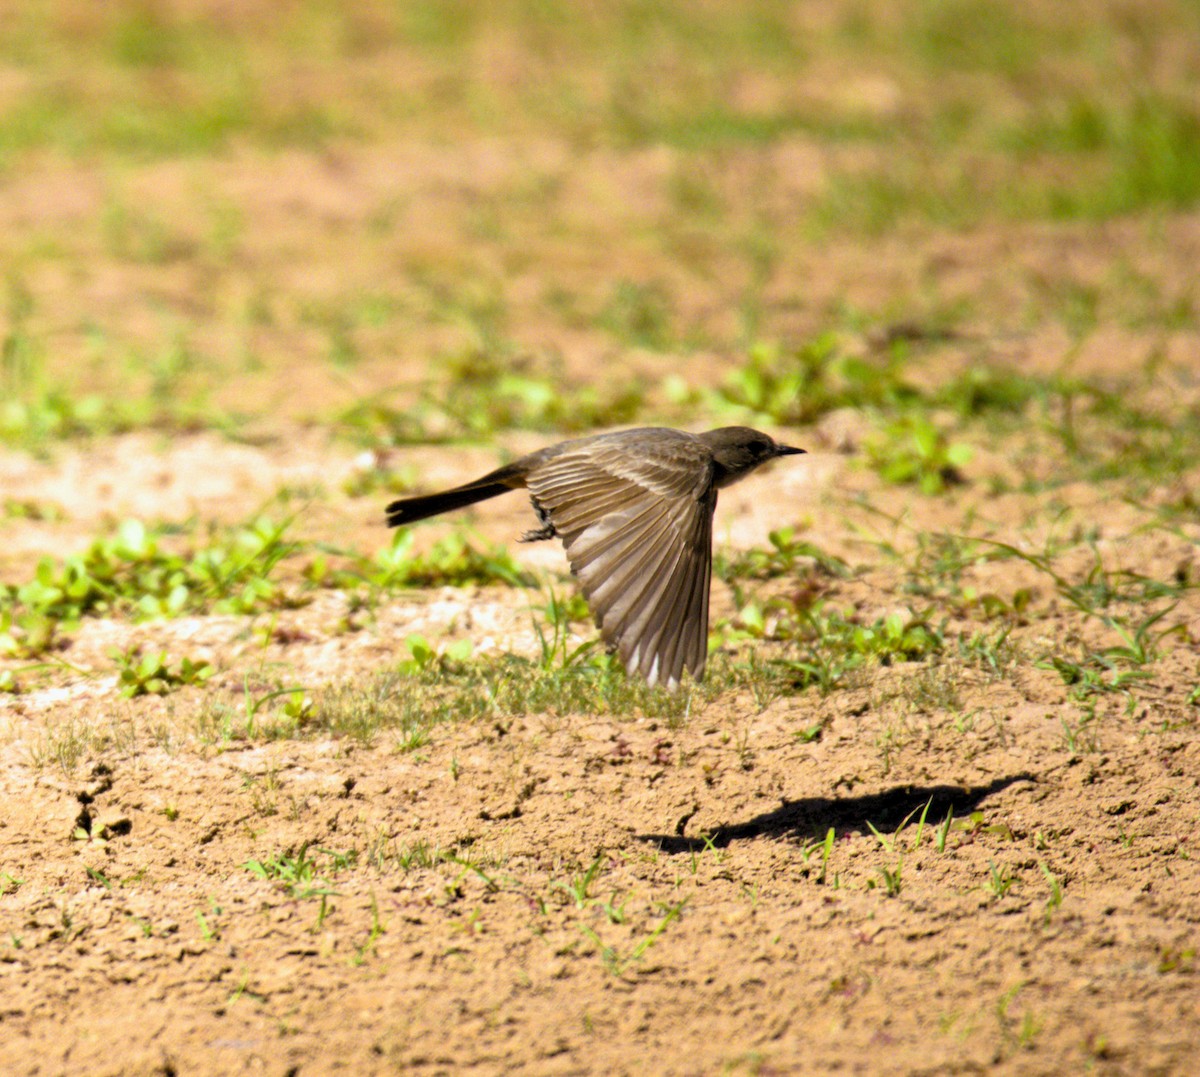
151	674
911	450
452	561
786	555
131	572
824	646
297	874
796	387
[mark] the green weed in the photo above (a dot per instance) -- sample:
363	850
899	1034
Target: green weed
912	450
150	674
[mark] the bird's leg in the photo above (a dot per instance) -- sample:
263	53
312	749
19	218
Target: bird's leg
546	531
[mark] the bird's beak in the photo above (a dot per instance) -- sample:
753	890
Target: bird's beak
788	450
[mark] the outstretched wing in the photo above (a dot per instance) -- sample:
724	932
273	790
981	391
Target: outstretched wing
637	527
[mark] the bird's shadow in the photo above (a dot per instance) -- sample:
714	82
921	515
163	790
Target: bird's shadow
810	819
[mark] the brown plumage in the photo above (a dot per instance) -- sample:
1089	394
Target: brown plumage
634	511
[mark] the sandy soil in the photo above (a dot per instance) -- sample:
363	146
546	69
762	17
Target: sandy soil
710	937
1011	879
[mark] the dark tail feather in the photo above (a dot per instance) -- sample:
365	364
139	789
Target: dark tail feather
409	510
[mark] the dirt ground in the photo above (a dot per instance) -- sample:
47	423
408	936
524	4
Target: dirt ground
977	857
145	945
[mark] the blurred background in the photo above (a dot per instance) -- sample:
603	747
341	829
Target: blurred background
416	221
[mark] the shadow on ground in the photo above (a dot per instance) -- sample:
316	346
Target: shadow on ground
810	819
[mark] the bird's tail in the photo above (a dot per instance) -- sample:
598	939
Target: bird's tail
409	510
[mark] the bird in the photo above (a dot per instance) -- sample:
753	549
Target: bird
634	511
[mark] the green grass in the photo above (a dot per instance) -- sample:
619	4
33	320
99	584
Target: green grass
480	393
141	82
1136	155
943	115
434	688
152	674
143	573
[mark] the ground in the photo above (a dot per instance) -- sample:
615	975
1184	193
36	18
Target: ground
282	792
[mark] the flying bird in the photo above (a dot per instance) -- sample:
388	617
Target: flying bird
634	511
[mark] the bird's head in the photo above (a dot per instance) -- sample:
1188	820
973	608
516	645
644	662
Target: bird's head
738	450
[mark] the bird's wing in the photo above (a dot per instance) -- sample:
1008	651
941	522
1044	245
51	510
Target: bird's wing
638	533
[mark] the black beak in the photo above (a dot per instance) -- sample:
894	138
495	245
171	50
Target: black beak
788	450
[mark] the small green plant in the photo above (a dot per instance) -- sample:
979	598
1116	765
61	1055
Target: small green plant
210	929
98	876
911	450
825	647
826	853
151	674
1000	880
797	387
1026	1030
892	876
578	889
616	962
297	874
943	831
1054	901
378	928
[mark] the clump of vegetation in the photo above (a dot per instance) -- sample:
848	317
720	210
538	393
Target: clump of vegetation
134	573
478	393
451	561
793	387
913	450
787	556
152	674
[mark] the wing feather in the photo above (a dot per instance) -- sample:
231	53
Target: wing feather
642	551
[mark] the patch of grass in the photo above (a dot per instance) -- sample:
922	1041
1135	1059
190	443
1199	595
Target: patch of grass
719	126
619	963
135	573
1000	880
824	647
1143	153
480	394
578	889
787	556
986	389
299	873
1116	668
12	508
1055	901
951	36
374	475
878	200
1083	151
68	744
452	561
640	316
796	386
131	573
38	409
450	685
142	82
